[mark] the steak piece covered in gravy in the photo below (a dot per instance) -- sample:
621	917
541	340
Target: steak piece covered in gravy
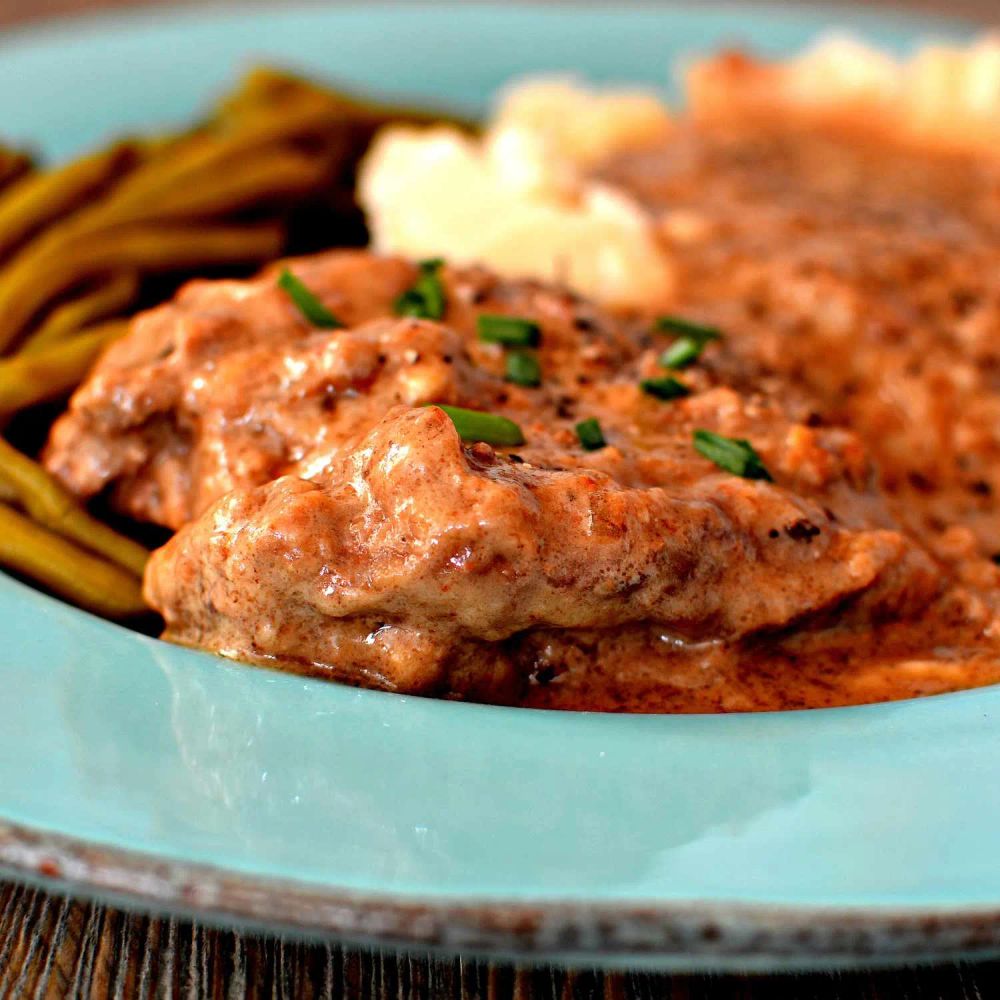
412	559
333	521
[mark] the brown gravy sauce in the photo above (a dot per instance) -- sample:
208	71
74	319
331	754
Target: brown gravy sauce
858	287
863	280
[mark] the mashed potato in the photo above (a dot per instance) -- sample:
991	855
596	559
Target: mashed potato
519	199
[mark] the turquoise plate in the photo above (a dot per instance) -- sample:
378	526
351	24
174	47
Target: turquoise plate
173	780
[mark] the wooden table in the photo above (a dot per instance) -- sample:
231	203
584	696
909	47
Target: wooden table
52	946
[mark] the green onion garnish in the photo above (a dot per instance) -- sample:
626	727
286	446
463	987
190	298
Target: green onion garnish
665	388
691	340
681	353
511	331
732	454
474	425
686	328
523	369
590	434
425	298
307	303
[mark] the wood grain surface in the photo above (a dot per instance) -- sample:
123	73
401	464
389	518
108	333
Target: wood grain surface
52	946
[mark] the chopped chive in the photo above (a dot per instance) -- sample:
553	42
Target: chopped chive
732	454
474	425
307	303
523	368
691	341
681	353
590	434
425	298
686	328
511	331
665	388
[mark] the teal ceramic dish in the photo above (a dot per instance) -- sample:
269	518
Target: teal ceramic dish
170	779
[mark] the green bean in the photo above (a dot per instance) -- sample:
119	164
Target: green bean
269	177
107	298
49	504
26	379
64	568
260	85
240	157
14	165
40	273
37	199
201	160
270	85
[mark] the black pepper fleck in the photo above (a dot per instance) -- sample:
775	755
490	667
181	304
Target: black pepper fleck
566	408
802	531
964	301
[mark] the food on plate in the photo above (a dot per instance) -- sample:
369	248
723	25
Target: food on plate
69	570
524	197
943	97
837	217
84	244
624	408
363	491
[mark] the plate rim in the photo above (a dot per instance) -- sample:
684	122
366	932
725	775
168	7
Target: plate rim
665	932
676	934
